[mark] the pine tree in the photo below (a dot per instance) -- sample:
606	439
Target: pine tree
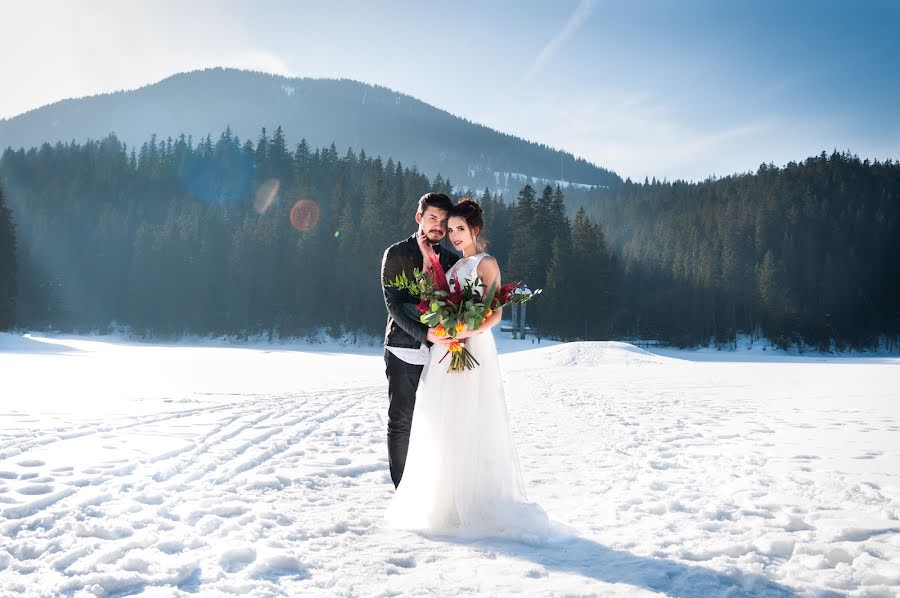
523	262
261	158
544	233
558	306
590	280
280	160
8	287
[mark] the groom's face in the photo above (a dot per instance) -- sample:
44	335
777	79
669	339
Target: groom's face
433	222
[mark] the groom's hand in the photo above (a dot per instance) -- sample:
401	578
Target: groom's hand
426	249
438	340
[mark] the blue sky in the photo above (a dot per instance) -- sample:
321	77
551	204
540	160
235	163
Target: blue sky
647	88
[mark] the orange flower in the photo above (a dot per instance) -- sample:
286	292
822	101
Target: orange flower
488	313
455	347
460	326
439	330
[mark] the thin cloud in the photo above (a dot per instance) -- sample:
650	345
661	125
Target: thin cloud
260	60
582	12
636	133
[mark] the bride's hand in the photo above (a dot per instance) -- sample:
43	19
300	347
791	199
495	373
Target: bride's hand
467	333
438	340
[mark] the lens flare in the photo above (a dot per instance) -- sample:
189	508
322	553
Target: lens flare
305	215
337	234
265	195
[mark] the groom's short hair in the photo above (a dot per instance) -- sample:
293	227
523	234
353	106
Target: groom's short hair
434	200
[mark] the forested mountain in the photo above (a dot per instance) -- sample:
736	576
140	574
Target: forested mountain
247	236
809	251
323	111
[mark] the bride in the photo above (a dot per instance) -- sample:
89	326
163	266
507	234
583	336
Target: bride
462	474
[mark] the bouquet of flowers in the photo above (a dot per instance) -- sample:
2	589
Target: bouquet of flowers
451	311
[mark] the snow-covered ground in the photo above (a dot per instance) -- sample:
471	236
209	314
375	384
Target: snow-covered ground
261	470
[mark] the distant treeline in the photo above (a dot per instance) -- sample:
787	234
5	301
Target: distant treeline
176	237
805	253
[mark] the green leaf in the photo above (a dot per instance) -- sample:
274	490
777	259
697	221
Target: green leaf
490	294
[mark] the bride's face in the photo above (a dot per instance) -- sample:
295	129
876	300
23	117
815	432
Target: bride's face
461	236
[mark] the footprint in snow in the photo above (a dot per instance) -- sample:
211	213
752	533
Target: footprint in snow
403	562
235	559
30	463
36	489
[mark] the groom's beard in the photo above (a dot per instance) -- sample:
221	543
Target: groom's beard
430	235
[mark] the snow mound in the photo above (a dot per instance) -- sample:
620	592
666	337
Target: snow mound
593	354
25	343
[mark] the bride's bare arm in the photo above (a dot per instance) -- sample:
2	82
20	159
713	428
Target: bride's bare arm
489	272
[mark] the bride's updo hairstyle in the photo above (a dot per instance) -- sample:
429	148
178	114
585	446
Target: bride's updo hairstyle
469	210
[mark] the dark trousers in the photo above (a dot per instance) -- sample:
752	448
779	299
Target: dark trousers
403	379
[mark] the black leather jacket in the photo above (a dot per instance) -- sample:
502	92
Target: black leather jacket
404	256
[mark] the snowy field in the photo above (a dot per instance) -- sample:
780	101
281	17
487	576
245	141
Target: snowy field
153	470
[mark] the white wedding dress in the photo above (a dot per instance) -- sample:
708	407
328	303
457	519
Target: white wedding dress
462	475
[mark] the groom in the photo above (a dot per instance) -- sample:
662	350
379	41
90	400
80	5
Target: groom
406	340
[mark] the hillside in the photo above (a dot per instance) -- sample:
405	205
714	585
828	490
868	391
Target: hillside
322	111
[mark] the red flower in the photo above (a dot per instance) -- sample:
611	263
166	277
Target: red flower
438	277
423	306
456	295
505	292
